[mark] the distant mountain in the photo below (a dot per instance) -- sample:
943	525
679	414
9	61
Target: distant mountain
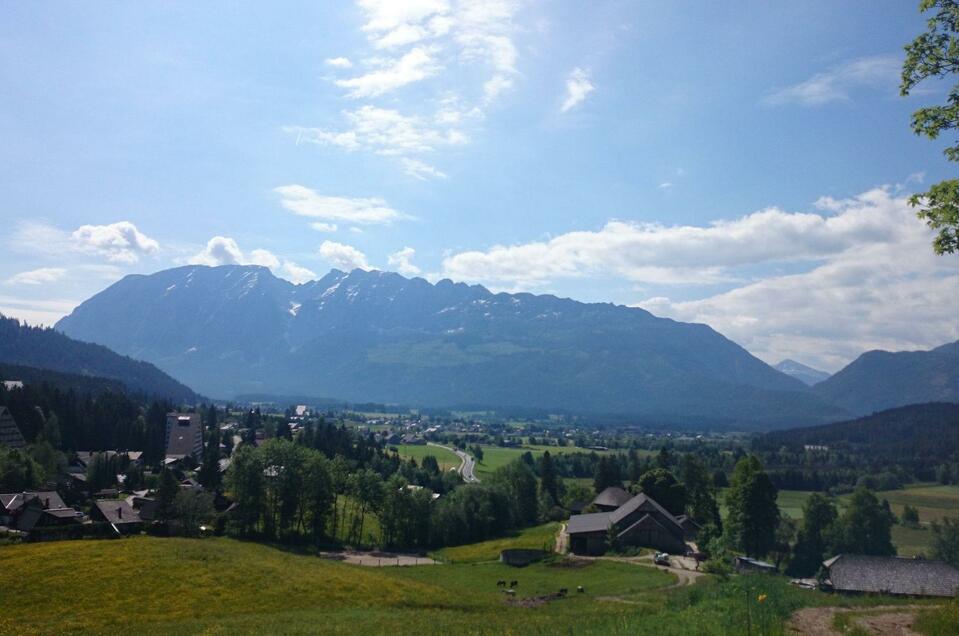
369	336
879	380
41	348
918	432
798	370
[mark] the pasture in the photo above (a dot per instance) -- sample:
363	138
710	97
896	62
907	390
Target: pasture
497	456
538	538
445	458
222	586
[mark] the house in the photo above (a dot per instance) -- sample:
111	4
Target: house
184	435
890	575
121	515
28	510
611	499
749	565
10	434
639	522
36	517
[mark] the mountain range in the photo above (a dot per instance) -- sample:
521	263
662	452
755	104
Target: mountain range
378	336
879	380
805	374
27	352
372	336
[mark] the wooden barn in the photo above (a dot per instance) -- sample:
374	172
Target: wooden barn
639	522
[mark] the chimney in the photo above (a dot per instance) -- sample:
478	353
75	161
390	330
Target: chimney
46	503
119	512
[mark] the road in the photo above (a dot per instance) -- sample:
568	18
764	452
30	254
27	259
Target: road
467	467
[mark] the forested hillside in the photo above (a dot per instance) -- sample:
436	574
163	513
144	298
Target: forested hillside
40	348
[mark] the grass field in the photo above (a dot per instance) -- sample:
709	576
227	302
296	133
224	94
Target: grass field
146	585
495	456
445	458
539	538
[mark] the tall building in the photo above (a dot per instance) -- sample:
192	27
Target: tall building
184	435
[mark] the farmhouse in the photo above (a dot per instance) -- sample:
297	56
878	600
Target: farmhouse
120	514
184	435
611	499
890	575
10	434
640	522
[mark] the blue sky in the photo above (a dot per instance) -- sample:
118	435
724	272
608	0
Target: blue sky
744	165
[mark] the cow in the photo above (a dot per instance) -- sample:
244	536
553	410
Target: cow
562	591
513	583
501	583
580	589
510	592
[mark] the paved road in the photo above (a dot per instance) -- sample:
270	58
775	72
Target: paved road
467	463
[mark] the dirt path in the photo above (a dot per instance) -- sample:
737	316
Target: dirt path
881	620
562	540
378	559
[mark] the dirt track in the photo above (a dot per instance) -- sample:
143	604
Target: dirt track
882	620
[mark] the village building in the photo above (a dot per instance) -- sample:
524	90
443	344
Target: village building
25	511
611	499
890	575
118	513
10	434
638	522
184	435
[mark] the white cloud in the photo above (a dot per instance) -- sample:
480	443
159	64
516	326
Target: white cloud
338	62
306	202
866	276
342	256
665	185
649	252
421	170
324	227
38	276
412	67
295	273
440	37
578	87
836	84
36	312
384	132
223	250
402	262
120	242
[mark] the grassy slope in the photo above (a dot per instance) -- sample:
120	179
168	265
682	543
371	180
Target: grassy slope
220	586
540	538
445	458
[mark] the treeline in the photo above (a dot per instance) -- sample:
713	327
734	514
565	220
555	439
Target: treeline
302	490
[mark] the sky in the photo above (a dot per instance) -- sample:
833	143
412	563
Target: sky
746	165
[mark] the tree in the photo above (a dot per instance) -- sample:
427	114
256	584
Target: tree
700	492
753	514
607	473
910	516
193	508
819	515
865	527
549	482
244	480
945	541
318	495
209	473
166	495
935	53
662	486
18	471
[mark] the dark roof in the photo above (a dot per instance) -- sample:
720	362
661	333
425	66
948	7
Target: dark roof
593	522
647	504
116	511
612	497
646	521
892	575
32	517
46	498
10	434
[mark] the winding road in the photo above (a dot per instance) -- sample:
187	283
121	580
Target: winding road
467	467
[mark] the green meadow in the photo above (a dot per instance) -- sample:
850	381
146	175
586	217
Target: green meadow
146	585
445	458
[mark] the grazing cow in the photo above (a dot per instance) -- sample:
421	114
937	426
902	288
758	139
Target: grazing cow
513	583
510	592
562	591
501	583
580	589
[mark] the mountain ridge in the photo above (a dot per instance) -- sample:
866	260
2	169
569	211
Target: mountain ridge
804	373
380	337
